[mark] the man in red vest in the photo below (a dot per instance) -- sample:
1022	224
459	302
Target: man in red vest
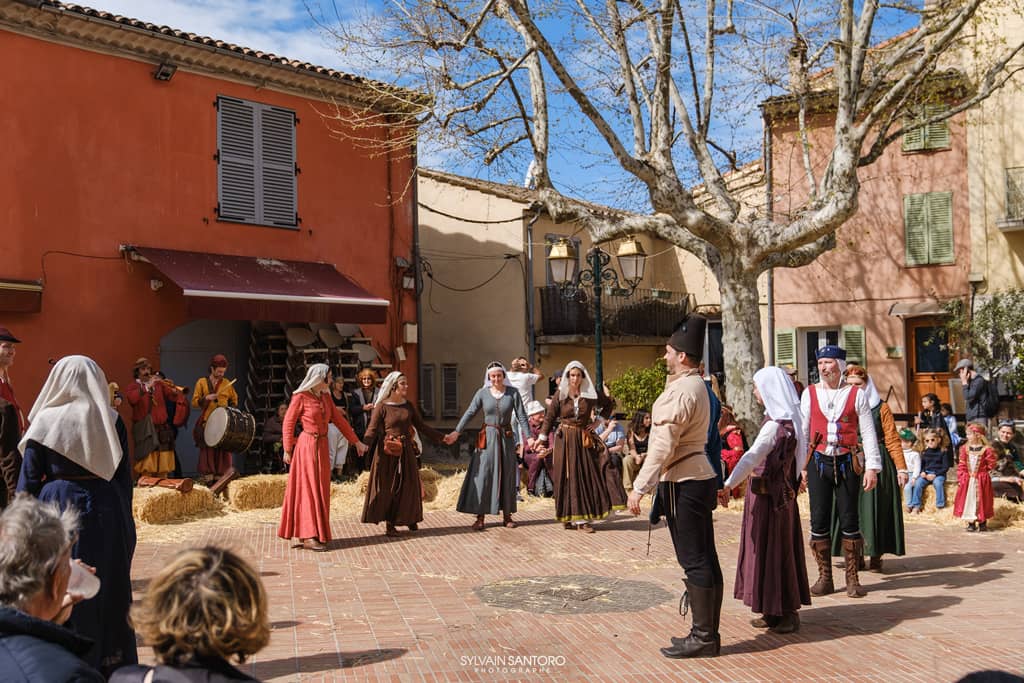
833	413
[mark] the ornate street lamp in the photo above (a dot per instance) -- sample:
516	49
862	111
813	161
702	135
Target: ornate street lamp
632	260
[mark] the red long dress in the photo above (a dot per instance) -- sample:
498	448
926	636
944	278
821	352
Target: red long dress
307	497
985	505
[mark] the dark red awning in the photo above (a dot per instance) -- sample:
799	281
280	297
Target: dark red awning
226	287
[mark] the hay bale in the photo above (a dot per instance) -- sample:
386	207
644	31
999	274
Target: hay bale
430	480
159	505
258	491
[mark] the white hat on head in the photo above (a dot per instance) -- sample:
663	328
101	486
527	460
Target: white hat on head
586	386
495	365
387	386
534	407
314	375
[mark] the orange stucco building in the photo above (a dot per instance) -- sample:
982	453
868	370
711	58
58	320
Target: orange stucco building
879	293
119	133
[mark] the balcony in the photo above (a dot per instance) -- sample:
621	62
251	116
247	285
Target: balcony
648	313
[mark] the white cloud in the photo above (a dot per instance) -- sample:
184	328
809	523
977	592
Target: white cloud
284	27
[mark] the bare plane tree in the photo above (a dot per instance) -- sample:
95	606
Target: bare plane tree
658	84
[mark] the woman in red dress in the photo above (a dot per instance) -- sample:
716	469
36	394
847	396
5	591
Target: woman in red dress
974	502
307	498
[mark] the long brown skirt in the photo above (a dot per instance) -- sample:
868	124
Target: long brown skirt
582	477
393	493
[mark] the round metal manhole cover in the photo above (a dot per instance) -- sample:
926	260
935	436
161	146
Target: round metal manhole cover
573	594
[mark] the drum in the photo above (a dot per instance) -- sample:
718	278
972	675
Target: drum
229	429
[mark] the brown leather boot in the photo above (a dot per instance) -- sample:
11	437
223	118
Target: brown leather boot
851	550
875	565
824	585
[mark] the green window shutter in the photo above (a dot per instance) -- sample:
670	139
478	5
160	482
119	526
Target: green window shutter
785	347
851	338
913	140
940	227
936	135
915	224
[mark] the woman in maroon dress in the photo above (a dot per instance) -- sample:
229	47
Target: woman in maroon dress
771	576
307	497
393	494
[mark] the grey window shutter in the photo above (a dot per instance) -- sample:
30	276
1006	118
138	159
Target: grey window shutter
852	339
277	197
236	170
913	140
785	346
940	227
915	229
449	391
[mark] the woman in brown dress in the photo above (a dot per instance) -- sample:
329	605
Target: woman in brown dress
584	480
393	493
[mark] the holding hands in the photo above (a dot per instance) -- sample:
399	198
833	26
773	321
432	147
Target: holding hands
451	438
361	448
723	496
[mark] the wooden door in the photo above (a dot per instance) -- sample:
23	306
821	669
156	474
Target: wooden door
928	361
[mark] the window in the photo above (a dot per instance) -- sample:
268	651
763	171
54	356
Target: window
798	347
928	226
449	390
931	350
549	240
427	390
256	163
1015	193
930	136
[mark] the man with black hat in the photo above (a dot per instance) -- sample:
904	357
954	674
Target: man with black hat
12	420
147	396
833	412
686	486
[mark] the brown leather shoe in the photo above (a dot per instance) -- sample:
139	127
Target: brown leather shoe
824	585
314	545
851	550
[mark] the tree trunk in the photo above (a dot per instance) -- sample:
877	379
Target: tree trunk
742	347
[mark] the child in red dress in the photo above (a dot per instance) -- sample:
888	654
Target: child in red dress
974	502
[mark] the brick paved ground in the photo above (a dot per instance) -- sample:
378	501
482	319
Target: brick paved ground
382	609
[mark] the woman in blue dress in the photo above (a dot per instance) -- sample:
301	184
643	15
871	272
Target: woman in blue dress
76	454
492	482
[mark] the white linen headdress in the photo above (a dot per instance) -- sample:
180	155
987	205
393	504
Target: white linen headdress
780	400
586	386
314	375
494	366
72	415
387	386
871	392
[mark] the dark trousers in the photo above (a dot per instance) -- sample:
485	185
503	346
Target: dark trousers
831	481
687	507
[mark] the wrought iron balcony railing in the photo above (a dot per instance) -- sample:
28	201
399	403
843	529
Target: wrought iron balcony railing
647	313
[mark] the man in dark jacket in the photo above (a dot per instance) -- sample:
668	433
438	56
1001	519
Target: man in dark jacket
35	566
975	392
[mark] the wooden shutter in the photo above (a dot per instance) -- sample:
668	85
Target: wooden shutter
940	227
277	166
236	154
851	338
913	140
427	390
785	346
936	135
449	391
915	224
1015	193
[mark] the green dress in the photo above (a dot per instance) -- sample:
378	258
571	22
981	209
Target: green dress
881	508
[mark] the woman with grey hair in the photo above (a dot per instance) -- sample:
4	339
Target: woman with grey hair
76	455
35	567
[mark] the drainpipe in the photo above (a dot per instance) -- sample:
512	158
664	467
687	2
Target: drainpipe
770	213
418	272
531	333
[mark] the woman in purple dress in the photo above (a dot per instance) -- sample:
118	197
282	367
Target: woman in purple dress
771	576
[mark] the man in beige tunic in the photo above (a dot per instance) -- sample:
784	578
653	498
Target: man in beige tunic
686	486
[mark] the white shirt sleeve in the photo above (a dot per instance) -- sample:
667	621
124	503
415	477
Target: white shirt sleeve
872	456
759	450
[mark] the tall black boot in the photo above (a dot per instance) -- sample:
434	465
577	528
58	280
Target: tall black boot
716	619
703	639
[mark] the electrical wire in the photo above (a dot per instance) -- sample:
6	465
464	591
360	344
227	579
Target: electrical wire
42	259
428	271
431	209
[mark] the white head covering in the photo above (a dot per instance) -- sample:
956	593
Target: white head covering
534	407
314	375
494	366
871	392
780	399
586	386
72	415
387	386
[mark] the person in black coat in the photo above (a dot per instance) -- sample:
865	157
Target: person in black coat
35	568
203	610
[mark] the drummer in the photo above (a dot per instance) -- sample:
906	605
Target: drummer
212	392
